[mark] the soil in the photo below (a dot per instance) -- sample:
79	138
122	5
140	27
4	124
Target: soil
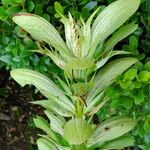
17	131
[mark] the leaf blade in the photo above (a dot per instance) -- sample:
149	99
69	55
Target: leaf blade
123	32
77	131
108	130
41	30
56	105
119	143
111	18
42	124
45	144
46	86
107	75
56	122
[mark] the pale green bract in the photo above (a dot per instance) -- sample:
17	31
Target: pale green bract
102	62
56	105
42	30
45	144
111	18
77	131
43	83
56	122
83	57
46	86
119	143
108	74
123	32
42	124
111	129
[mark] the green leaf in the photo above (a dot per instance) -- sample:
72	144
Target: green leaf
69	34
98	107
139	65
85	12
64	86
58	61
147	66
102	62
148	7
113	91
46	86
90	5
137	84
17	59
77	131
56	122
130	74
111	18
46	16
42	30
127	101
144	76
81	88
126	84
42	124
58	7
116	102
56	105
6	26
95	101
3	14
119	143
119	35
133	43
138	97
108	130
147	126
12	10
79	63
6	59
31	6
86	41
108	74
38	9
45	144
11	2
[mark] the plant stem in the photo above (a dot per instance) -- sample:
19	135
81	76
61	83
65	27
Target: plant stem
79	106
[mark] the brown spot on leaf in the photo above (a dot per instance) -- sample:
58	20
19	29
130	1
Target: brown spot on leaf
107	128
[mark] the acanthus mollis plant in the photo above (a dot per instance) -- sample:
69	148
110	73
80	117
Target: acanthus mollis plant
71	105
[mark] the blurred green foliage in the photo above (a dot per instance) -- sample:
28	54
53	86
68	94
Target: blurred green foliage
129	94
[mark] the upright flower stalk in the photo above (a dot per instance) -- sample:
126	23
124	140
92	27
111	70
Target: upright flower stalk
83	57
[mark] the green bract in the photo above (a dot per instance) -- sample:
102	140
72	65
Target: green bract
77	131
82	58
108	130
